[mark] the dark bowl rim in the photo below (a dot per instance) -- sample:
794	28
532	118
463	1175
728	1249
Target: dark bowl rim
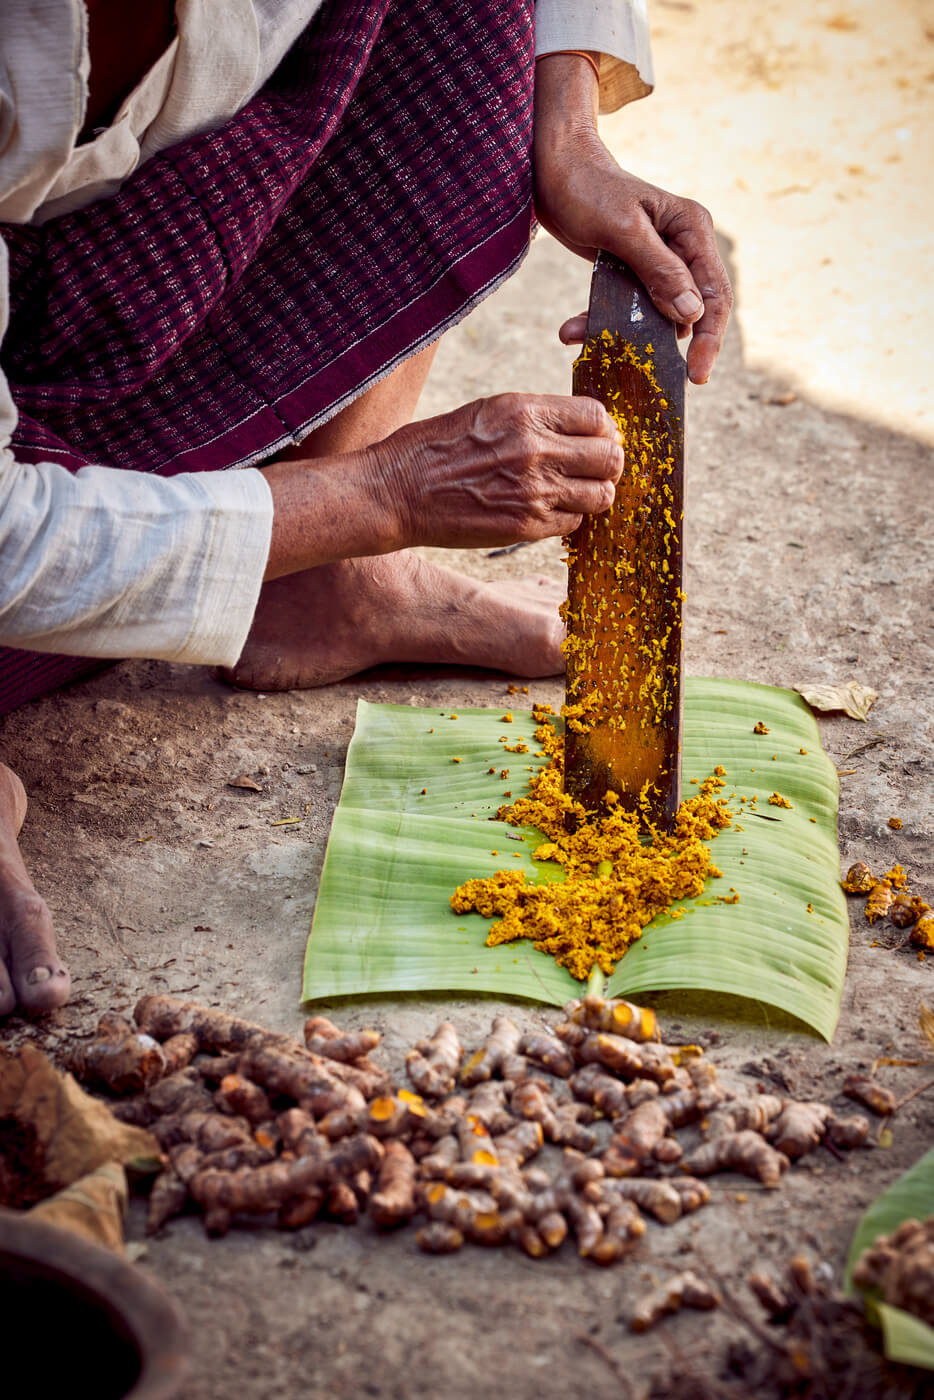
152	1318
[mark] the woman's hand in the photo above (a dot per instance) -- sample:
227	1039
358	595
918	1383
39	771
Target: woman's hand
587	201
514	467
500	470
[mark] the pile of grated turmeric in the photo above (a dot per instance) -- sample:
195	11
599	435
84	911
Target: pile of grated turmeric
614	883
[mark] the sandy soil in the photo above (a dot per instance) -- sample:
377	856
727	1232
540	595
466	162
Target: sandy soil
810	527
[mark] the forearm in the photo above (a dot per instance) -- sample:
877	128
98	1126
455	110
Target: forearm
491	473
615	31
329	508
566	94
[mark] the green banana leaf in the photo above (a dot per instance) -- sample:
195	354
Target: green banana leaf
396	853
906	1338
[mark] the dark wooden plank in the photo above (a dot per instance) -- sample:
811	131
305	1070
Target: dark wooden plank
625	566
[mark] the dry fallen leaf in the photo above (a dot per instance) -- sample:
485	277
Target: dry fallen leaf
52	1132
852	698
244	781
93	1207
926	1022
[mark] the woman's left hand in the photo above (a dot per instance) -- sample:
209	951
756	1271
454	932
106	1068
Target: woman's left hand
587	201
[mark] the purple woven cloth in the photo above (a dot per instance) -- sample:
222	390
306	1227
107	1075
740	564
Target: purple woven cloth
245	285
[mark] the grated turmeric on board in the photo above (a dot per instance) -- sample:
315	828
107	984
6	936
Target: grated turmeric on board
615	883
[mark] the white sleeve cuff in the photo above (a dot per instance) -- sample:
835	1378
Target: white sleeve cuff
110	563
616	29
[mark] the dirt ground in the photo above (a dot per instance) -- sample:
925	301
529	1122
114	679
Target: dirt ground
810	527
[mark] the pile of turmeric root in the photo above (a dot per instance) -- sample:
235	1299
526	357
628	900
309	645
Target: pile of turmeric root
529	1138
888	897
809	1340
900	1268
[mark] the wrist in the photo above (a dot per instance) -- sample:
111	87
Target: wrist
567	92
329	508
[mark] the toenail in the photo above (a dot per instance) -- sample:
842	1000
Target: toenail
39	974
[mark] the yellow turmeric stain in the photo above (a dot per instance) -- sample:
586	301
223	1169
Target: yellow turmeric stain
624	607
620	873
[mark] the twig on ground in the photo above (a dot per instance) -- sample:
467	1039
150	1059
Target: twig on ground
509	549
862	748
610	1360
922	1088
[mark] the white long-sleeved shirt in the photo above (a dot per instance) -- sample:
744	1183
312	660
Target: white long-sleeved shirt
113	563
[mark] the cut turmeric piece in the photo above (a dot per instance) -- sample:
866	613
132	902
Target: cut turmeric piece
615	883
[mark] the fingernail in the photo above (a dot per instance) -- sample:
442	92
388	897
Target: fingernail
39	974
688	304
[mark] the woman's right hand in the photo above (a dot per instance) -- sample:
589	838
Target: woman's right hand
512	468
498	471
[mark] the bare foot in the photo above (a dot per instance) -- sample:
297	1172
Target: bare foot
31	972
322	625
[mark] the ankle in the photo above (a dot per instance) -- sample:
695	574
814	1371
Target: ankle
13	801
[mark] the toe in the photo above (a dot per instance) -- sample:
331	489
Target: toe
553	660
40	979
539	589
7	994
539	655
12	799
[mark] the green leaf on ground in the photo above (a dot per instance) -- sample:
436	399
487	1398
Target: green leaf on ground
906	1338
396	853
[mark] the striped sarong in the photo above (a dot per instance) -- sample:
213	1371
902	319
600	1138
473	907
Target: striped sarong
245	285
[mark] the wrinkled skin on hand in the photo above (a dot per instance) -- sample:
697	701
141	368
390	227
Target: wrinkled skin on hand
587	201
513	467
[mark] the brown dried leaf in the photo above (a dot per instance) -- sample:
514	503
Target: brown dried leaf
93	1207
926	1022
244	781
892	1060
852	698
52	1132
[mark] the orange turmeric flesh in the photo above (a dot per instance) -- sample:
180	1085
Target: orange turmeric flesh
615	873
624	605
